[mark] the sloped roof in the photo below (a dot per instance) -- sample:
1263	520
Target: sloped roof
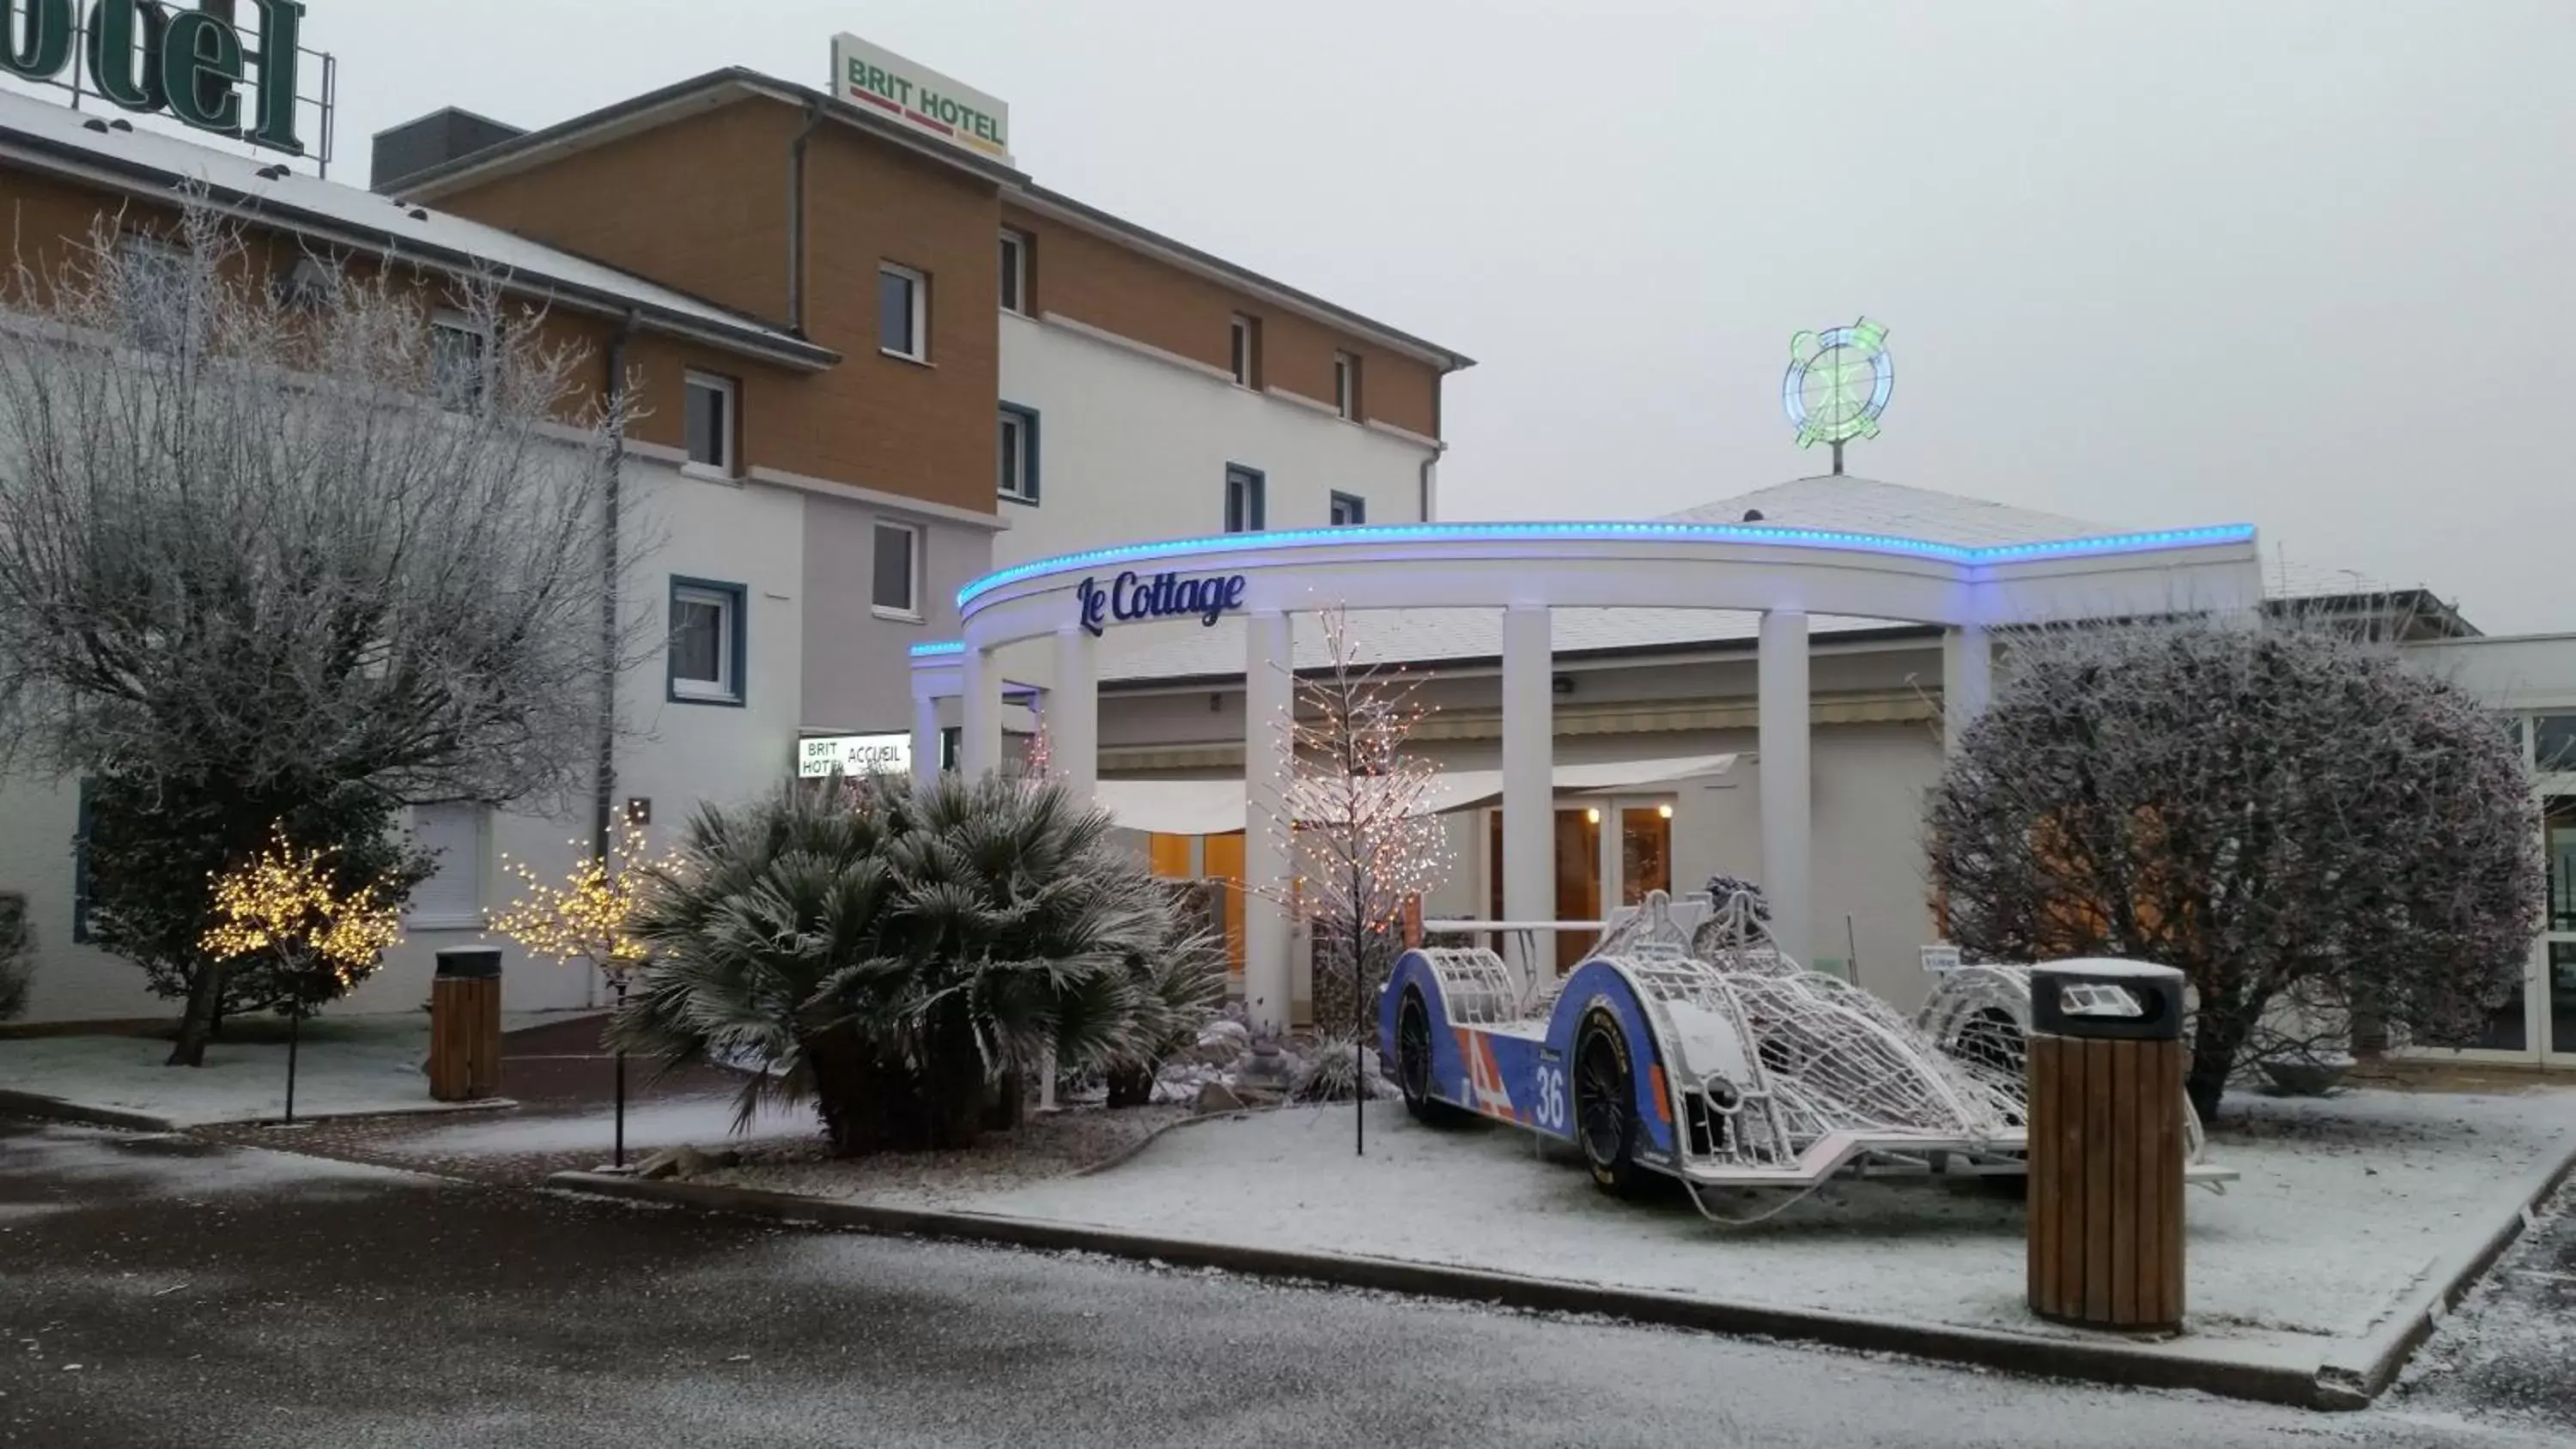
49	136
1188	650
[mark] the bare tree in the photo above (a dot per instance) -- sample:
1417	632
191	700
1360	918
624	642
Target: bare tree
2284	812
1364	841
270	536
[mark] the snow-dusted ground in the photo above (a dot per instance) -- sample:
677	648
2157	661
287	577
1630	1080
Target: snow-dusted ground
352	1066
2343	1205
706	1122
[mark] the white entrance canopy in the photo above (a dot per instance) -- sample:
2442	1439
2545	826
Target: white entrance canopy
1215	807
1524	571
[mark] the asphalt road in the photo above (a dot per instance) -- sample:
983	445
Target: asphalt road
169	1291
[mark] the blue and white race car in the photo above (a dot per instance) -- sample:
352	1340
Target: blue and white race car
1690	1048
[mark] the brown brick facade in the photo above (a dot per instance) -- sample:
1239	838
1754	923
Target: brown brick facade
1117	289
700	205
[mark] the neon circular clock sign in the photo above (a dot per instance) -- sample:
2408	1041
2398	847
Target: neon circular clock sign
1837	384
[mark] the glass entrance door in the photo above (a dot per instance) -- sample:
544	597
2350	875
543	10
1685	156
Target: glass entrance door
1608	853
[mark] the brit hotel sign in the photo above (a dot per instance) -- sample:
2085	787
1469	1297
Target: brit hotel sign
920	98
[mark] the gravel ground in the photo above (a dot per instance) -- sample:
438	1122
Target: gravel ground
1042	1147
2509	1351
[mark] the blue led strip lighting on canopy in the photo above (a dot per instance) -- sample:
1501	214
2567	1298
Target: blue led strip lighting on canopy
1289	540
932	651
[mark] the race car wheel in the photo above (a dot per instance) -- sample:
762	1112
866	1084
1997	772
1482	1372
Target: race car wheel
1413	1064
1605	1107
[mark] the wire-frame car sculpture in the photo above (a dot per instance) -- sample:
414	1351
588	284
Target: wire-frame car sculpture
1687	1046
1691	1048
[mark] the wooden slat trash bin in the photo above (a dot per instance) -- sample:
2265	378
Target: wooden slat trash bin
2106	1145
465	1025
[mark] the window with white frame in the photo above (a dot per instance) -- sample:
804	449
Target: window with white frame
1019	454
903	312
711	423
707	641
1346	385
460	349
898	580
1244	348
452	896
1245	505
1015	271
1349	510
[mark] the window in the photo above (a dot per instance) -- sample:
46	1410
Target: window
2553	738
898	586
1015	272
1246	351
1019	479
706	649
453	895
1243	499
155	294
903	312
711	422
459	351
1349	511
1346	385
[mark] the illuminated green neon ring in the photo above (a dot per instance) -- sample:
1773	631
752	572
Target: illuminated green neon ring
1838	383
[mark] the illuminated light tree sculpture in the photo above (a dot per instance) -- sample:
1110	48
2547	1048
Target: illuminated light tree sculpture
321	937
1364	841
588	921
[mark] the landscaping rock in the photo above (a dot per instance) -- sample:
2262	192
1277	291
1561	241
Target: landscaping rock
684	1161
1217	1097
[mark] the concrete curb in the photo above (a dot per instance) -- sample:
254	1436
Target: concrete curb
2283	1380
56	1109
2353	1377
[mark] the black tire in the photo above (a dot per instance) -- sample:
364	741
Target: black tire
1413	1064
1606	1127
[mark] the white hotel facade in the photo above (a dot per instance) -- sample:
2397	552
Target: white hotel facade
882	363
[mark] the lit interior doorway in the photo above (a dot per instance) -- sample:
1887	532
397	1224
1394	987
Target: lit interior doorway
1610	851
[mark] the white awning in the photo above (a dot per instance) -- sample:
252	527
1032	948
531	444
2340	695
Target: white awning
1213	807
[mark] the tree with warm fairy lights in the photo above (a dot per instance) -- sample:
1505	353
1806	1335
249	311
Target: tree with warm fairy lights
1364	840
588	921
320	937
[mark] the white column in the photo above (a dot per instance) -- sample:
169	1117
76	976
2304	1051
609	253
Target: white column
1073	712
1781	681
1267	744
1967	681
925	739
979	746
1529	773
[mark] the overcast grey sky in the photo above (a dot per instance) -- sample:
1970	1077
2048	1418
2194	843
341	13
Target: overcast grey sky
2303	265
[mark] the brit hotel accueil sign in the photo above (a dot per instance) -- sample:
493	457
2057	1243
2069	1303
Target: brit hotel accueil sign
920	98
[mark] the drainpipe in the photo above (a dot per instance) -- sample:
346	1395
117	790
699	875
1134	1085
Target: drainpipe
604	811
796	220
1430	461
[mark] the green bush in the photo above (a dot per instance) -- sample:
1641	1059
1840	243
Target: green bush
899	957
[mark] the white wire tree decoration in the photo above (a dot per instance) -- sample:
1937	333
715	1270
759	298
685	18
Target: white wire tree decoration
1363	842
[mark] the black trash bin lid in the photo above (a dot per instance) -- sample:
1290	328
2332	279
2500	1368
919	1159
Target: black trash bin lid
470	961
2106	999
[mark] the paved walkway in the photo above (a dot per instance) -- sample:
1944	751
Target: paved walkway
172	1291
564	1083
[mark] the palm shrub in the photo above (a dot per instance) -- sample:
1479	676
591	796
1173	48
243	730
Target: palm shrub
896	953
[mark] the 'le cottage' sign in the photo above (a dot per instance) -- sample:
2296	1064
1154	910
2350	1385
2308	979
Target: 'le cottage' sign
1130	597
152	57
